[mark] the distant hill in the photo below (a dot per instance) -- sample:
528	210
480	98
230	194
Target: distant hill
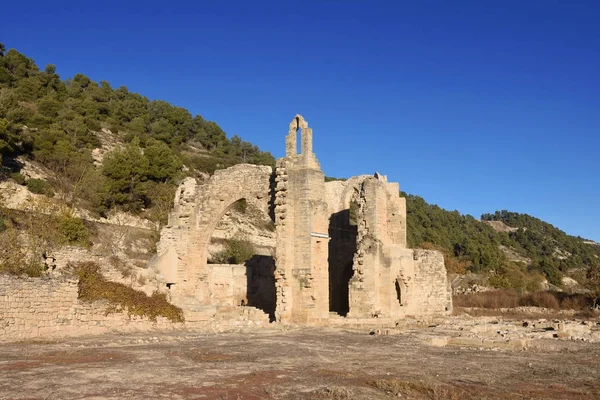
517	248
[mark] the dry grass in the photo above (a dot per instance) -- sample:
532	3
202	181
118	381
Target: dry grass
510	299
491	299
93	287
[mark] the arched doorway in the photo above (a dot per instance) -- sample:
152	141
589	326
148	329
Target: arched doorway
198	209
241	260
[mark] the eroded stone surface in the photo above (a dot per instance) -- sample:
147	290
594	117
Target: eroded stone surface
339	247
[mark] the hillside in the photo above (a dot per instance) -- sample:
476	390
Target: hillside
77	153
68	126
95	152
517	249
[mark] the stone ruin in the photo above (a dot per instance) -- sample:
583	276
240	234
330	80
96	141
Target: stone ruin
341	248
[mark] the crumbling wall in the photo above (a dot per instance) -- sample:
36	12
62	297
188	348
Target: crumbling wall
324	261
431	289
48	307
183	245
389	279
228	284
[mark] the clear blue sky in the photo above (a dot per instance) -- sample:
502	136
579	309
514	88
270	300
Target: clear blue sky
475	106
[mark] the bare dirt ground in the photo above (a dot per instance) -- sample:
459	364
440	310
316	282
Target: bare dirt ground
292	363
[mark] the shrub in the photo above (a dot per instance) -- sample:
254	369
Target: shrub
73	230
94	287
40	186
515	276
18	178
510	299
236	251
13	259
491	299
539	299
241	206
574	301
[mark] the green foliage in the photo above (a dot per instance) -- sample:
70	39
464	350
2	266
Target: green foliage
73	230
552	251
163	164
236	251
57	122
40	186
18	178
515	276
94	287
241	206
477	245
460	235
331	179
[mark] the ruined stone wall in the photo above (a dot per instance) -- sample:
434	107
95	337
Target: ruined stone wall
390	280
339	246
183	246
49	308
228	284
431	290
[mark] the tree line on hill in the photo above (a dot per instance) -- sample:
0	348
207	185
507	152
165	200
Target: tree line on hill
58	122
470	245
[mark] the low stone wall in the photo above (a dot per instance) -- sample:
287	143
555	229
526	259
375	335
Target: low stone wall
252	284
39	308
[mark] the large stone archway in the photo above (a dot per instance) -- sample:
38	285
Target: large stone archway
183	245
322	262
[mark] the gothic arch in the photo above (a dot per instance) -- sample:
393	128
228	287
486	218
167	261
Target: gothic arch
198	209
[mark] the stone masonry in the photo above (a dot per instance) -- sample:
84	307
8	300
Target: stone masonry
341	246
49	307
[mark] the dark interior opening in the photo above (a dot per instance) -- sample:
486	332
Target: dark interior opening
342	246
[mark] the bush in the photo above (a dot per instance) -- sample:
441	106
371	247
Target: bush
241	206
491	299
516	276
40	186
18	178
539	299
73	230
236	251
510	299
94	287
13	259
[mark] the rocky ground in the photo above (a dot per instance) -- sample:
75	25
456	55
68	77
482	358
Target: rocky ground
415	362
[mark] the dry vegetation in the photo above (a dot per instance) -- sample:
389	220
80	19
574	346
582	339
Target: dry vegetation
94	287
510	299
26	237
